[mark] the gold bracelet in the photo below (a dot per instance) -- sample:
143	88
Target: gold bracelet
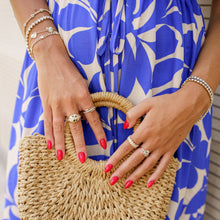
31	27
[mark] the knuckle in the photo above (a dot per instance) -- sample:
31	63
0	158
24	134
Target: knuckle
58	125
80	147
75	128
56	103
83	94
129	116
47	124
95	121
135	176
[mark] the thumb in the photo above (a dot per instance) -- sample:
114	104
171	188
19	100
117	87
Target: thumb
136	112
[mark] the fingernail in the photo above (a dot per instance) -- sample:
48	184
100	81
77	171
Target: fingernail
151	183
113	180
49	145
126	125
59	154
82	157
103	143
128	184
108	168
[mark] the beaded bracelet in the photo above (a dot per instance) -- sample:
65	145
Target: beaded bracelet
33	15
32	26
205	86
39	39
48	29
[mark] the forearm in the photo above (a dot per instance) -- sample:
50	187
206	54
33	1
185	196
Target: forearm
208	63
207	67
24	8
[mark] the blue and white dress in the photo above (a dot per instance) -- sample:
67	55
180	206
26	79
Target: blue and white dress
138	49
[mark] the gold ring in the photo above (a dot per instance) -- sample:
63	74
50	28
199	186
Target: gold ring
74	118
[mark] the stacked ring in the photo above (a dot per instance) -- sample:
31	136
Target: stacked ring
132	143
89	110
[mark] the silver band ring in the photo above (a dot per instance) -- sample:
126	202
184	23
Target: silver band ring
89	110
145	152
134	145
74	118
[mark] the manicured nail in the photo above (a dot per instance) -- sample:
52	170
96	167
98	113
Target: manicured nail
128	184
103	143
82	157
59	154
126	125
114	179
151	183
108	168
49	145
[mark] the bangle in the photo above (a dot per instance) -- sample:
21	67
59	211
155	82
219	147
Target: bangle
205	86
32	26
39	39
33	15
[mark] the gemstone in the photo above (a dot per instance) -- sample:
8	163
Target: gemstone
34	35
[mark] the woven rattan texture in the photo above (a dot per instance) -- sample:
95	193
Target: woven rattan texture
67	189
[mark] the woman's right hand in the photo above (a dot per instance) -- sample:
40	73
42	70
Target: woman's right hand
63	92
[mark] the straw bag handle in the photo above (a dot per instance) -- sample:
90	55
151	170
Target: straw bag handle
112	100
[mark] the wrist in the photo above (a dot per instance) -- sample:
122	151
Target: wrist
48	46
196	98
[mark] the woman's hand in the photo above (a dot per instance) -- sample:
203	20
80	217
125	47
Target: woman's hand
169	118
63	92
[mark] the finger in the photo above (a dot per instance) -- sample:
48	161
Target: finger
78	138
135	158
94	121
164	162
48	127
96	125
119	154
58	130
136	112
146	166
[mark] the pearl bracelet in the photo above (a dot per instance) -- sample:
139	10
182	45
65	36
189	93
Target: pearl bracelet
32	26
39	39
33	15
205	86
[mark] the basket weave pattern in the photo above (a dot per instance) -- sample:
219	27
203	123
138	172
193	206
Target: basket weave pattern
67	189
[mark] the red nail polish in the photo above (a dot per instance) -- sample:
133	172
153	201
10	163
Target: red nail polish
128	184
108	168
126	125
49	145
103	143
82	157
113	180
151	183
59	154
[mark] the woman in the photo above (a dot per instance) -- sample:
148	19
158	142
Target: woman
142	50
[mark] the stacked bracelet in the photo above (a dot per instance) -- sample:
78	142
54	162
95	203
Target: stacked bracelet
32	26
33	15
205	86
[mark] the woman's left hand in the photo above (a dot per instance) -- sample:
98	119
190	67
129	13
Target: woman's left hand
169	118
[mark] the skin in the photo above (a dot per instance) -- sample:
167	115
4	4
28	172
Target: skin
161	132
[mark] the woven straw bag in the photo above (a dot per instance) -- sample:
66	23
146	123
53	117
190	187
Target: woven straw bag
50	189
